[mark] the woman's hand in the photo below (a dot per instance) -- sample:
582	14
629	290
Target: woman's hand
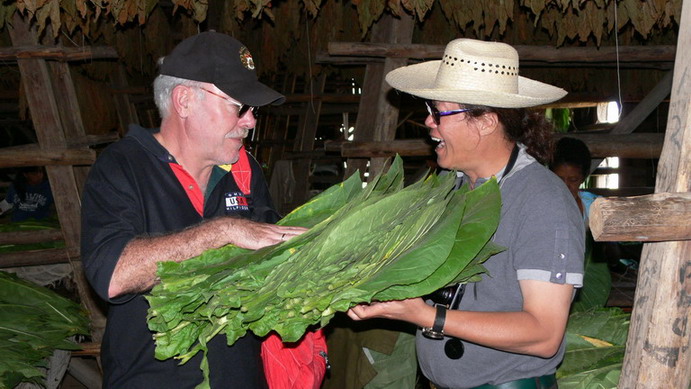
412	310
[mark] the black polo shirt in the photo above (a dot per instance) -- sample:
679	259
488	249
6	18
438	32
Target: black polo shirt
131	192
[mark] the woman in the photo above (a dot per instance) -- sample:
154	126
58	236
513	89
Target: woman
571	162
508	330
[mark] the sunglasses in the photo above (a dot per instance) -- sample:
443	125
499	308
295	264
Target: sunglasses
242	108
437	115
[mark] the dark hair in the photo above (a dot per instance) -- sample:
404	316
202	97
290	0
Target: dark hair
574	152
522	125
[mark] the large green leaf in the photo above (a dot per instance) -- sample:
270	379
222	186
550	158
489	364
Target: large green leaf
595	347
34	321
362	242
324	204
597	281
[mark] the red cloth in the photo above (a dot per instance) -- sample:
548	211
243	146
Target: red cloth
242	172
296	365
194	193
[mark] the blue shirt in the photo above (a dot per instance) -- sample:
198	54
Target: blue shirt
36	203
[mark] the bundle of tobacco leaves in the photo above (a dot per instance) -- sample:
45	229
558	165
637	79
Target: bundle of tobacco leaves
383	242
34	321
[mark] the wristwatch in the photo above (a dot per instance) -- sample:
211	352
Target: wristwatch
437	329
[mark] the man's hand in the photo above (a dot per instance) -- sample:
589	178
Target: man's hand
135	271
254	235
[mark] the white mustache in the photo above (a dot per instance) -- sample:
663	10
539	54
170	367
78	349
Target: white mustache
241	133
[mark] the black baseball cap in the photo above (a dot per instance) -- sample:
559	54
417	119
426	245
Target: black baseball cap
223	61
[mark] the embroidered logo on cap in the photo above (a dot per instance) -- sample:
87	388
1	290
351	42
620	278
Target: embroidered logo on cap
246	58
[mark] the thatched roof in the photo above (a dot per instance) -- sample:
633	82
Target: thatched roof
291	32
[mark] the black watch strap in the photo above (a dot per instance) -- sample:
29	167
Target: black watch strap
437	330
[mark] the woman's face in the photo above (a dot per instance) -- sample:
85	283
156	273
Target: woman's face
457	137
571	175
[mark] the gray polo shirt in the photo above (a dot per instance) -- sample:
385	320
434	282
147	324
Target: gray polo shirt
542	229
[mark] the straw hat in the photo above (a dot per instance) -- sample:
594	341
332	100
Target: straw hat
474	72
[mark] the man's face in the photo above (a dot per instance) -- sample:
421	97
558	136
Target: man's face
458	138
216	127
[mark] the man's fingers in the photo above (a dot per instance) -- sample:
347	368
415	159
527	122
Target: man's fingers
286	233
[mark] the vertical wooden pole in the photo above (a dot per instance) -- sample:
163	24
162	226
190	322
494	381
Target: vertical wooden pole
377	114
304	139
658	349
126	113
68	108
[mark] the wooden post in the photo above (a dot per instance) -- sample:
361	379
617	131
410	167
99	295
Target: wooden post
304	140
126	113
70	115
658	349
377	116
36	79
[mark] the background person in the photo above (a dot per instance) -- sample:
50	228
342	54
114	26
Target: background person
29	196
571	162
509	327
160	195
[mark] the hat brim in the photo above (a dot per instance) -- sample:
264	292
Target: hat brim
252	93
418	80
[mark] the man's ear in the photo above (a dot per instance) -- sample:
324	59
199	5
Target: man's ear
488	123
181	98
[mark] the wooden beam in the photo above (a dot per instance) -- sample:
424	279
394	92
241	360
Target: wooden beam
87	374
37	257
18	156
381	149
643	146
633	119
658	348
57	53
637	146
93	140
526	53
325	58
652	218
88	349
28	237
324	98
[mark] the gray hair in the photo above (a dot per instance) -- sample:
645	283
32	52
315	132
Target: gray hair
163	90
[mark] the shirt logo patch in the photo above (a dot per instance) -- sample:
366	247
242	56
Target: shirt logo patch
236	201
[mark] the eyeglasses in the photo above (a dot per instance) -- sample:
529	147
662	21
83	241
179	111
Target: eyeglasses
436	114
242	108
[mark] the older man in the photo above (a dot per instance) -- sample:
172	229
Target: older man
164	195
